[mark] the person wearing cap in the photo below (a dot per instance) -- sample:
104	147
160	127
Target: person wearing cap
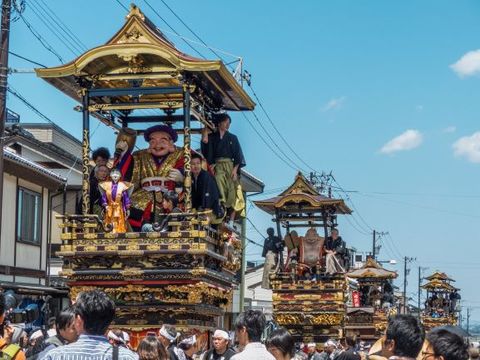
349	351
222	150
168	336
221	349
152	171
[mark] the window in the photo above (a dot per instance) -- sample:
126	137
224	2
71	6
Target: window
29	216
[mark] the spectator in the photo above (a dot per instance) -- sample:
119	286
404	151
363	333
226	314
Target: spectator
445	345
220	350
52	327
94	312
8	348
403	338
312	353
150	348
118	337
281	344
249	327
167	336
65	331
474	353
187	347
330	351
349	353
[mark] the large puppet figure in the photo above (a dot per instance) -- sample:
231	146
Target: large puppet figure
116	202
152	171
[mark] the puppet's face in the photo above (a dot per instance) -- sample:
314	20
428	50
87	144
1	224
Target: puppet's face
115	175
160	144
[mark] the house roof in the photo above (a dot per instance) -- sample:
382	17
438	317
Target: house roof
22	167
438	275
140	50
372	269
302	194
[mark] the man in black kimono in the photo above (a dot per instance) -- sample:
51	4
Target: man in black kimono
205	194
222	150
334	249
272	252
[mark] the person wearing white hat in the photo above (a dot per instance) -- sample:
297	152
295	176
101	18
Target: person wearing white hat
221	349
187	347
168	336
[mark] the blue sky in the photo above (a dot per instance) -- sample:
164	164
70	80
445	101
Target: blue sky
342	80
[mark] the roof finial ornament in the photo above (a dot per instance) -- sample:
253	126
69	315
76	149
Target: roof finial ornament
135	11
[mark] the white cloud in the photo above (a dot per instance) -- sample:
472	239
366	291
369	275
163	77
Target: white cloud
450	129
334	104
408	140
468	147
468	65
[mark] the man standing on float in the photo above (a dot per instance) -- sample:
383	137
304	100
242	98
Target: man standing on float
222	150
153	170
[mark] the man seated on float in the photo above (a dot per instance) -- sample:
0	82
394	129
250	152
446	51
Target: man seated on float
222	150
153	171
170	211
334	253
205	194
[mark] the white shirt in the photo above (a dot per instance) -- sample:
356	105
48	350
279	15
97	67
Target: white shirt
254	351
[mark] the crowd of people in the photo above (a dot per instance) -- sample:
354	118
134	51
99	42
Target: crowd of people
82	331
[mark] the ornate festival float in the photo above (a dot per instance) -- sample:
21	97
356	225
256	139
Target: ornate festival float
181	270
442	302
372	301
309	284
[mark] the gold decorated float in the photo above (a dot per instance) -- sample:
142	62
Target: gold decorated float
442	301
306	300
372	301
184	273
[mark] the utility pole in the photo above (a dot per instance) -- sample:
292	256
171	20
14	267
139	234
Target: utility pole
468	322
4	42
405	273
420	269
374	244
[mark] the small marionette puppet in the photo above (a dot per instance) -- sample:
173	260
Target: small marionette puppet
116	202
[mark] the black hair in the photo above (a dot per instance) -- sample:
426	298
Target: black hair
221	117
350	341
97	311
171	196
65	318
102	152
407	333
270	231
196	155
448	344
283	341
254	322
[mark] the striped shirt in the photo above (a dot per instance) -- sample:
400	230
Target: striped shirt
89	347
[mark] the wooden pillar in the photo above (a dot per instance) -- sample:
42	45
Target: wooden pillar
187	184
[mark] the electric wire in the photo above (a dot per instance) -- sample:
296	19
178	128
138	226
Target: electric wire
26	59
36	11
37	35
175	31
64	27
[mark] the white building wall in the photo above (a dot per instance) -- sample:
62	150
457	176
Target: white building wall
7	245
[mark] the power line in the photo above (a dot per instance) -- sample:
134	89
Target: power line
166	23
122	5
35	9
26	59
42	41
267	144
64	27
193	32
29	105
